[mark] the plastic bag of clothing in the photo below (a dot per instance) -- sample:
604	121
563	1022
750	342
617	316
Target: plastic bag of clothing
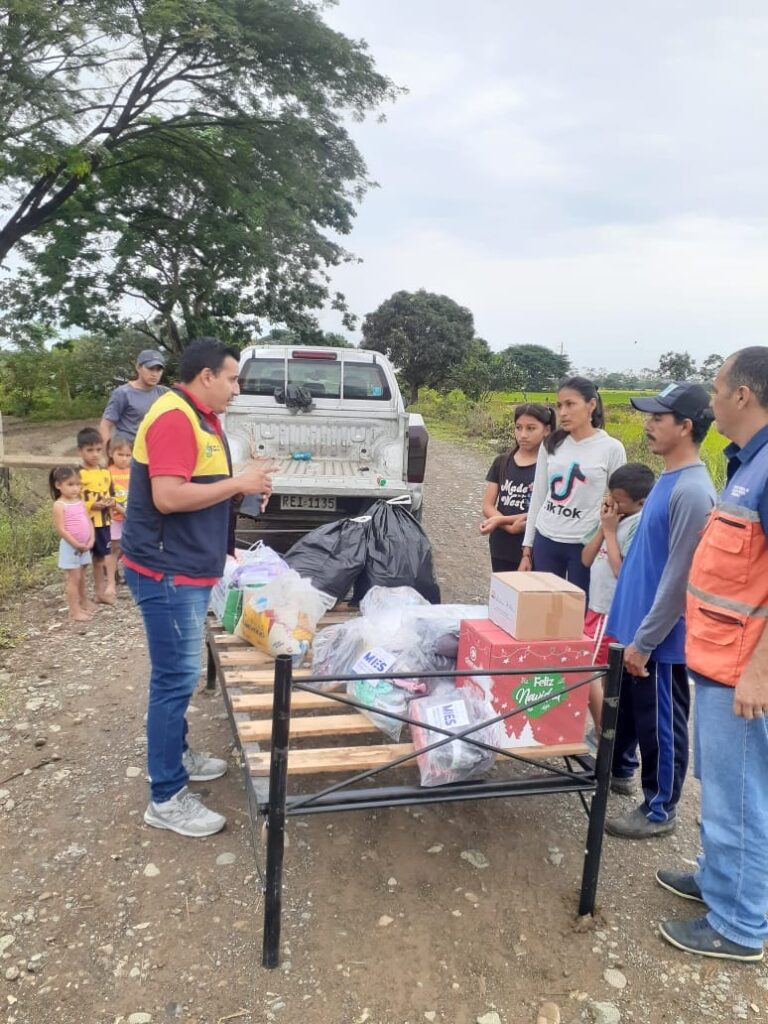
325	653
335	650
456	761
348	647
391	601
332	556
436	626
399	553
387	694
382	694
359	647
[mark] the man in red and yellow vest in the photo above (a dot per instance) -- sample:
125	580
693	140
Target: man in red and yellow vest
727	655
175	540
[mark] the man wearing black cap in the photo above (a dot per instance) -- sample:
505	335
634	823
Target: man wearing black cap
647	613
128	404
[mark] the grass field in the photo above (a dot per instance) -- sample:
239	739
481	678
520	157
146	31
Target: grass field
610	398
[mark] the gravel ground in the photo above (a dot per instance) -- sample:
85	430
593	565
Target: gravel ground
105	920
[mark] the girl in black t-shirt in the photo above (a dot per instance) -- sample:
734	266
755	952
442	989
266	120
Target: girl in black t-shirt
509	485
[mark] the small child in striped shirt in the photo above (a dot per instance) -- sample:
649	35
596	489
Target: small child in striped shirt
120	454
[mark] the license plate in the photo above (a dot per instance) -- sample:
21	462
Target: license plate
306	501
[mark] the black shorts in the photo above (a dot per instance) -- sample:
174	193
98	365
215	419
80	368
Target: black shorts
102	543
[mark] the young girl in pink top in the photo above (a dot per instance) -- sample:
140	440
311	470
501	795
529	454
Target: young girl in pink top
74	527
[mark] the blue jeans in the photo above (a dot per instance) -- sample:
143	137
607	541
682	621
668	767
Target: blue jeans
564	560
731	762
174	617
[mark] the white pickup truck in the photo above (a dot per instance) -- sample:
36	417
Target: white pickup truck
334	422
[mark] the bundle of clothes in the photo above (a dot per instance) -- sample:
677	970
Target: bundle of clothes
398	631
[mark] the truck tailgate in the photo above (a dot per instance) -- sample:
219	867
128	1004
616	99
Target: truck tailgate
332	476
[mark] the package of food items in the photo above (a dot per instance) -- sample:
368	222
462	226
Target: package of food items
457	760
281	617
249	569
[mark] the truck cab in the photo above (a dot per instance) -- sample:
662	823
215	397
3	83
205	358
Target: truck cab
335	424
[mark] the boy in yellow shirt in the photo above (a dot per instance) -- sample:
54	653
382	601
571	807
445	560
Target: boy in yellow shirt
97	494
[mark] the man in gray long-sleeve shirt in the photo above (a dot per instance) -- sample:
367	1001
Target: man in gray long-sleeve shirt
647	613
129	404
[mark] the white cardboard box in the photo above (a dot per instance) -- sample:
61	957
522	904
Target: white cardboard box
537	606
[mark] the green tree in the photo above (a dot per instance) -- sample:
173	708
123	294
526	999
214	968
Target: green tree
24	376
505	373
195	156
709	367
677	366
425	335
474	374
34	377
316	338
539	368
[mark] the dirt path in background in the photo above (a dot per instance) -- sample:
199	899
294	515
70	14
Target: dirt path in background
102	917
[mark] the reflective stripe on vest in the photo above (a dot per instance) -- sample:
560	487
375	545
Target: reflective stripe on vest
727	600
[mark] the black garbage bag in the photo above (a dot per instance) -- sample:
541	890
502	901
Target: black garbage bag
332	556
294	397
399	553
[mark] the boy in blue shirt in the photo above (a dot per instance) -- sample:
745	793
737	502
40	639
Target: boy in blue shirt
647	612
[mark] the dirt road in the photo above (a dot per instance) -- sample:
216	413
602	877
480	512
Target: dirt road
103	919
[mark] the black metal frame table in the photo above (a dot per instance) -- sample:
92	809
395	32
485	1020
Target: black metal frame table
269	796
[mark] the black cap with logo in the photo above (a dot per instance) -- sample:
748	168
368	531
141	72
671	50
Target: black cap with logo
688	400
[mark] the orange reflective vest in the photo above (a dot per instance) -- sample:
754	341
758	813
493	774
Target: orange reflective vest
727	601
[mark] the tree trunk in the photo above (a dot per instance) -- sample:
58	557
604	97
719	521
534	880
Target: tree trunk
174	336
413	393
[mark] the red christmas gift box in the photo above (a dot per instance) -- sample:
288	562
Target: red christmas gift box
483	646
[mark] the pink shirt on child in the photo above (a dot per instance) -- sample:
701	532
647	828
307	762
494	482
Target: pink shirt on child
76	520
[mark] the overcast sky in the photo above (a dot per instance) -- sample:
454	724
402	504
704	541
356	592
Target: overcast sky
591	174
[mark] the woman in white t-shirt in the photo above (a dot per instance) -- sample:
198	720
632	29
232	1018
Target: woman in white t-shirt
572	473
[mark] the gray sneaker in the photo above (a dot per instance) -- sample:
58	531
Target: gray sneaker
698	936
681	883
186	814
636	825
200	768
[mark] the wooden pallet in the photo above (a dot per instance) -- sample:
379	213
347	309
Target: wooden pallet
325	736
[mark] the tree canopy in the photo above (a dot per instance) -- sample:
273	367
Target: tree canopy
192	156
709	367
538	368
677	366
316	338
425	335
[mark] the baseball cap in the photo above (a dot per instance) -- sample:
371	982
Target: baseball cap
688	400
150	357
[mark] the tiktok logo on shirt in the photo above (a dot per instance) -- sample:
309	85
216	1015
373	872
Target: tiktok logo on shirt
561	488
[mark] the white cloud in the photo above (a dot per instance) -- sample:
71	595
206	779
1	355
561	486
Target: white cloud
690	284
585	174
